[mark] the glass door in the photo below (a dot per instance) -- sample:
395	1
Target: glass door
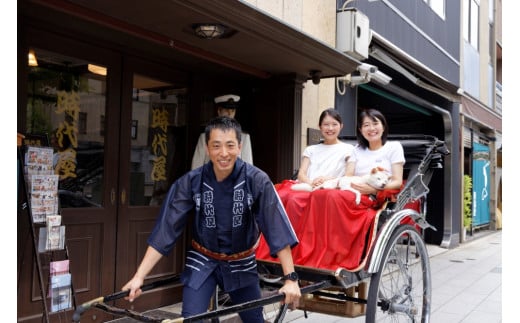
69	104
153	155
119	137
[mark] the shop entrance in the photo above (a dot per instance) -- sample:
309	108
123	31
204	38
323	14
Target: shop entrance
118	128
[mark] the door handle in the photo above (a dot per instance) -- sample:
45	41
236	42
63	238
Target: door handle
123	196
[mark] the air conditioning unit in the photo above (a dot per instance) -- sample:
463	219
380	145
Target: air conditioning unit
353	33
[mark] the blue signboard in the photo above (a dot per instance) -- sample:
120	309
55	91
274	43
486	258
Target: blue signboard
481	185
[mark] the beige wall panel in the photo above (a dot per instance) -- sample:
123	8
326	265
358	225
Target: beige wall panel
316	18
273	7
319	21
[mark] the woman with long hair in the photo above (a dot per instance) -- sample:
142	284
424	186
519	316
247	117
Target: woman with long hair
374	150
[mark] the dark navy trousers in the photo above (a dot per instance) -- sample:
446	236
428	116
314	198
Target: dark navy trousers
197	301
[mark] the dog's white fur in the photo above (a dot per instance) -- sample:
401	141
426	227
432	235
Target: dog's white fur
377	178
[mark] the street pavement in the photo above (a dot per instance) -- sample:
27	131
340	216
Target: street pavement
467	285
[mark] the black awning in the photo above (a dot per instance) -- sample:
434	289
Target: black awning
416	72
259	44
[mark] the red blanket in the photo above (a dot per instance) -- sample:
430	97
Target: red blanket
333	231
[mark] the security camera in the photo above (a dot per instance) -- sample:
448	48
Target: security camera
352	79
380	78
358	79
364	73
366	69
315	76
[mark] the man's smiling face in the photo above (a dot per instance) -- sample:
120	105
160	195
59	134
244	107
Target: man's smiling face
223	150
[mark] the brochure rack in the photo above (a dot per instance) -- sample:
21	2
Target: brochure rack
38	200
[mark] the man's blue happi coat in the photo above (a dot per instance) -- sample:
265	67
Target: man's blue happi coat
229	217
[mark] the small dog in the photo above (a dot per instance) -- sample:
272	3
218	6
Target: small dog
377	178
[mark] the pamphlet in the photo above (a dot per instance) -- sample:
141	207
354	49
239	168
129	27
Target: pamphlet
59	267
50	240
56	268
44	196
61	296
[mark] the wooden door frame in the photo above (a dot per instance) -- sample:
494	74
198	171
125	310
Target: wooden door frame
136	222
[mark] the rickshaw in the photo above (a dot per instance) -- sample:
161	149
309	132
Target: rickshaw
391	282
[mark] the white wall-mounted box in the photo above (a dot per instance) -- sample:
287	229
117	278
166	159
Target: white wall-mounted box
353	33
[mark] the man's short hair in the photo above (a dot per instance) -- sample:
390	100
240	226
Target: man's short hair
225	124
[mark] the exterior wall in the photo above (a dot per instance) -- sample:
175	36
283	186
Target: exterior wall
413	28
498	43
320	22
438	43
471	71
317	19
420	32
427	44
435	42
486	76
480	70
498	21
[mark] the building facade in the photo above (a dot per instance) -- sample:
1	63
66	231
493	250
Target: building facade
418	49
481	108
444	62
122	91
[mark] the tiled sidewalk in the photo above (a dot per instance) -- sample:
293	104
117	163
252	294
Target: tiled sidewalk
467	285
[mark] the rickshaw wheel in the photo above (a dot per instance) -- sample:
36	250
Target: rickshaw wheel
401	290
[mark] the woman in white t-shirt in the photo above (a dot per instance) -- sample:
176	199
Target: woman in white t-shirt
328	159
373	149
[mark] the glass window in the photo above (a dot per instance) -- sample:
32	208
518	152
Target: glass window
470	21
465	19
438	6
491	11
65	102
473	23
158	135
